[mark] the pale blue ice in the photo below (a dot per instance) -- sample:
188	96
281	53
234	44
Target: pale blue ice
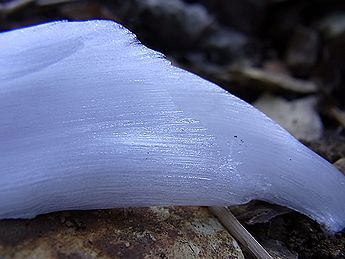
89	118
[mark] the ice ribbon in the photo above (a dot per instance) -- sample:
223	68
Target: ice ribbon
90	118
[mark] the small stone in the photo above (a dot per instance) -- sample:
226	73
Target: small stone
224	45
175	24
299	117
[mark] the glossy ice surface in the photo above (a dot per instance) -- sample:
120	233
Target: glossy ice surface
89	118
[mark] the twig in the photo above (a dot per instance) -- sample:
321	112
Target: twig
239	232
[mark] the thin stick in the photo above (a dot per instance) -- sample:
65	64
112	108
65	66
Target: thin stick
239	232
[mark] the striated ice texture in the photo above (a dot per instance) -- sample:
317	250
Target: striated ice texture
89	118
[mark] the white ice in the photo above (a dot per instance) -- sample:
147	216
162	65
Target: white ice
89	118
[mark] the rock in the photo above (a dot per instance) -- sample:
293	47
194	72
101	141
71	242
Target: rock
223	46
174	24
170	232
299	117
176	28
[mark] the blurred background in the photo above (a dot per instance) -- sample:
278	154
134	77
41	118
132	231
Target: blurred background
286	57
